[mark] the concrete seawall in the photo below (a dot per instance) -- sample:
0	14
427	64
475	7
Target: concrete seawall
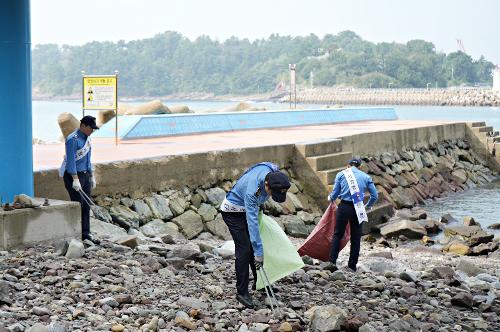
180	195
440	97
137	177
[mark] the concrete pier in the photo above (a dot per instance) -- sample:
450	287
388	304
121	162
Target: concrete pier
148	165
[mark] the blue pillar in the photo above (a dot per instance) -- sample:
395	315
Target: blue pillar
16	151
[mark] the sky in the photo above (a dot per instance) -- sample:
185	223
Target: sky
439	21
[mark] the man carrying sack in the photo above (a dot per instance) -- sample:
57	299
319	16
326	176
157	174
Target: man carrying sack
350	186
76	169
240	211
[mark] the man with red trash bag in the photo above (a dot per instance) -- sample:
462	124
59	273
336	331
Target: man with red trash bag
350	186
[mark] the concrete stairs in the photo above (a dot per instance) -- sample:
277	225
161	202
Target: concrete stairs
326	159
486	134
489	137
319	163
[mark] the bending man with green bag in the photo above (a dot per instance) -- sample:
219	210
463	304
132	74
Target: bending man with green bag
240	211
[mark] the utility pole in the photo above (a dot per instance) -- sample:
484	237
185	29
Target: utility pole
311	78
452	72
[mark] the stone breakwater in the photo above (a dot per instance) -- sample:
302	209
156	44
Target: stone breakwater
191	211
408	178
440	97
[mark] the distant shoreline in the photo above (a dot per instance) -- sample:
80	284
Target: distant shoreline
335	96
176	97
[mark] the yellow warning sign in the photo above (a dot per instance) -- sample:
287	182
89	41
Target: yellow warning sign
99	92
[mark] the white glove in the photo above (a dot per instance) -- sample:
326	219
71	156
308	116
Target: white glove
329	198
259	261
92	182
76	185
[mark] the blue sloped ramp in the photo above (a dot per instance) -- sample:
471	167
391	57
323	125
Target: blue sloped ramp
137	126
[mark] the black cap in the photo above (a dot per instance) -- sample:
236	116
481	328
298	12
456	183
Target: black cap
355	162
278	183
89	121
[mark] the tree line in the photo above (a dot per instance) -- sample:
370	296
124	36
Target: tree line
170	63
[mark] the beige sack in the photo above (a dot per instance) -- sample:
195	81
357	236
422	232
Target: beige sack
104	116
124	108
26	202
152	107
179	109
241	106
68	123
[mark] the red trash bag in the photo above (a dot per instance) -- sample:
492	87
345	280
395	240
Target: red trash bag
319	243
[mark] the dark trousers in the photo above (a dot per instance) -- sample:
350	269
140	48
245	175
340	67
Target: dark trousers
237	224
76	197
346	213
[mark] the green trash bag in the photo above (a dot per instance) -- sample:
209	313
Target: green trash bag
280	255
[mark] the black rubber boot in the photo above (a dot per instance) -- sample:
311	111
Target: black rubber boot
246	300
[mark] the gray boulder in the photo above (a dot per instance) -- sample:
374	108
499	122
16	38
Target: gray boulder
295	201
104	230
274	209
190	224
409	228
447	218
401	198
219	228
327	318
159	207
128	241
5	293
306	217
101	214
469	268
462	231
124	216
158	227
75	249
295	227
459	175
215	196
207	212
185	251
196	200
462	299
142	210
177	205
38	327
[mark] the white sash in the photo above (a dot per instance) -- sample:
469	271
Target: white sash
357	197
79	155
227	206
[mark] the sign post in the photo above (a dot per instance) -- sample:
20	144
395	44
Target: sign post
100	92
293	85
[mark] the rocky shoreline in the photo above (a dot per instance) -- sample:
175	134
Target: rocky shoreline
172	284
165	264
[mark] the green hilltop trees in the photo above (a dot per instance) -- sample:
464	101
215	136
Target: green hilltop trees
170	63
